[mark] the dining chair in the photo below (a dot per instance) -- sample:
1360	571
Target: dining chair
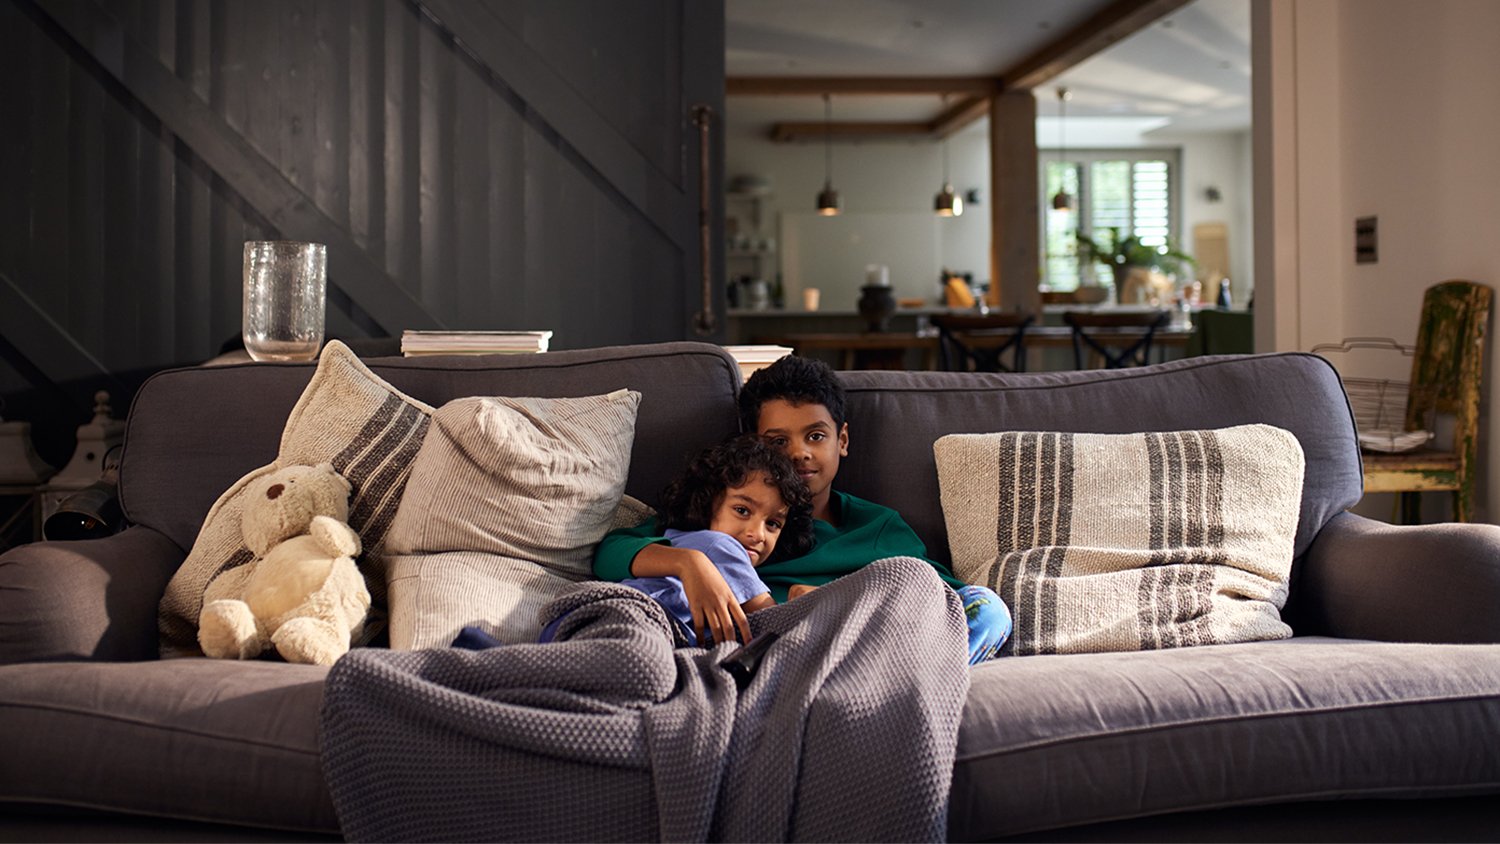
1447	375
978	342
1118	338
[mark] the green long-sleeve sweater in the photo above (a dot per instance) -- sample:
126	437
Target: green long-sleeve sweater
866	532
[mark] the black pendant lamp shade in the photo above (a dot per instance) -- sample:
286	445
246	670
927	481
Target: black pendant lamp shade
947	203
828	198
1062	200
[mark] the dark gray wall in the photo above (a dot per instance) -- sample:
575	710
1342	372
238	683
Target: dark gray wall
471	164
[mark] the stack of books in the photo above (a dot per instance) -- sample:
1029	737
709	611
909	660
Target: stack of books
414	343
751	358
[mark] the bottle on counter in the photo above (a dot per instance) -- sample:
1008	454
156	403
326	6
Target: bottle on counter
1225	299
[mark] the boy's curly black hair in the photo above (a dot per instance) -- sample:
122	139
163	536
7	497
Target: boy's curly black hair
794	379
688	503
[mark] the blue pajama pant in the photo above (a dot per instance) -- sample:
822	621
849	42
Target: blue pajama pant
989	622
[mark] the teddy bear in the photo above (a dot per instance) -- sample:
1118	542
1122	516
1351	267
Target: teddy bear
302	592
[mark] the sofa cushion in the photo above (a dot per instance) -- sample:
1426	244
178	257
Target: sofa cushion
1052	741
347	416
1108	542
522	489
191	739
895	417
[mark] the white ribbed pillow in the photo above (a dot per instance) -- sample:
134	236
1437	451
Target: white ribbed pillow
506	501
1112	542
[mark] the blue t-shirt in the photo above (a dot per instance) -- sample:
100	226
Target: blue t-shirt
727	555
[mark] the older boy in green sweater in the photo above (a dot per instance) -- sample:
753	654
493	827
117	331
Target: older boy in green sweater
798	405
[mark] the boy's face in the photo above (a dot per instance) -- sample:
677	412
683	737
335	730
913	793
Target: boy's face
807	435
753	514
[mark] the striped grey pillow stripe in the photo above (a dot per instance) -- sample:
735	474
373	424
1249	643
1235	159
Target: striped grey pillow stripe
1061	513
369	432
1129	541
380	473
1037	475
1187	530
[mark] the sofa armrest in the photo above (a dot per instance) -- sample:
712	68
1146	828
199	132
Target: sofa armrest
91	599
1364	579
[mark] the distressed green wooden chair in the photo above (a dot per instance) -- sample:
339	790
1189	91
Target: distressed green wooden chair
1447	372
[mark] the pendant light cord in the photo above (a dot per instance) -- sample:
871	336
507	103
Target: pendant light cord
1062	135
945	145
827	140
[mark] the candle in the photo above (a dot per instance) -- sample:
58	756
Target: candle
878	274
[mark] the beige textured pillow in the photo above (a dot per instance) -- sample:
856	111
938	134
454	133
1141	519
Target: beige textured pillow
347	416
1101	542
506	501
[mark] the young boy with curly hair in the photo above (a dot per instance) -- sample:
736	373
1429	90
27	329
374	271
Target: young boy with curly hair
742	505
797	404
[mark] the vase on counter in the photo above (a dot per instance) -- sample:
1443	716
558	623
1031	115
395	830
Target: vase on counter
876	304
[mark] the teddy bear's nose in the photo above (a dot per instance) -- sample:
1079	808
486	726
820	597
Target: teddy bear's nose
275	491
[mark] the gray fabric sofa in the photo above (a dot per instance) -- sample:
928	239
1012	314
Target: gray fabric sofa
1380	719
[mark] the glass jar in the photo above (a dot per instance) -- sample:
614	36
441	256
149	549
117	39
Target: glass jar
286	286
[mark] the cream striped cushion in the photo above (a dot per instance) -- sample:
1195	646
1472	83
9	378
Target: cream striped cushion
347	416
1103	542
506	501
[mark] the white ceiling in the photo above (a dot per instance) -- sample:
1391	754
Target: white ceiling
1189	71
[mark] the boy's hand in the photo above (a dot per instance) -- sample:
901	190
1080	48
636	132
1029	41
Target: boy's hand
797	590
709	597
712	602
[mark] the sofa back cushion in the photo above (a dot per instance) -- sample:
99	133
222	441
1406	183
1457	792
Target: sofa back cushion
194	432
895	417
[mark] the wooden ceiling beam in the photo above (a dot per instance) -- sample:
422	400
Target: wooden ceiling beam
1109	25
855	129
959	115
1106	27
804	86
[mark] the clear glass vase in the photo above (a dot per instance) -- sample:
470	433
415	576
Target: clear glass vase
286	288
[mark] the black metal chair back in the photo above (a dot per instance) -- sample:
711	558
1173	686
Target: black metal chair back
1121	339
978	342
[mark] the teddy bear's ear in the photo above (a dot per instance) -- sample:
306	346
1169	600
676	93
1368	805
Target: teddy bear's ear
328	468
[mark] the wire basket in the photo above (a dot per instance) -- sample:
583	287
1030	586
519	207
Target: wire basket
1379	404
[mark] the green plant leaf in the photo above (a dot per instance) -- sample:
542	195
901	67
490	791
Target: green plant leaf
1111	248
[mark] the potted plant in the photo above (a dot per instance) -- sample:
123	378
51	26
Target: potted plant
1129	260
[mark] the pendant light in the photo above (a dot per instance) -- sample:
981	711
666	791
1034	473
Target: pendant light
828	198
1062	200
947	203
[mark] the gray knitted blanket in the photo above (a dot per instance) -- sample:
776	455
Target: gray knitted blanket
846	733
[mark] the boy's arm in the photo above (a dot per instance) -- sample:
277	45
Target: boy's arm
642	551
619	548
759	602
712	603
